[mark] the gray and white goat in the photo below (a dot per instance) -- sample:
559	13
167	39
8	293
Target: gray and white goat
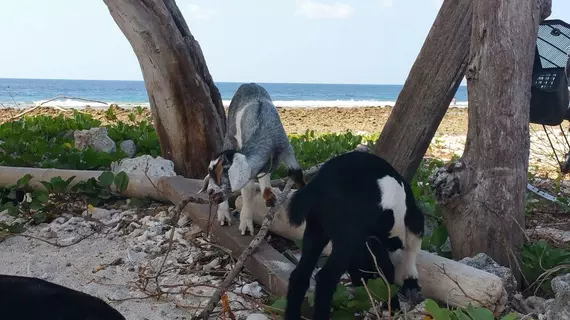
254	145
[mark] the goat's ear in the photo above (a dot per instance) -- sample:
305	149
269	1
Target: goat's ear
239	172
205	184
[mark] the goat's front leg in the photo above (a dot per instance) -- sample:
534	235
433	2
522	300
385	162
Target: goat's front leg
224	213
266	191
246	214
410	289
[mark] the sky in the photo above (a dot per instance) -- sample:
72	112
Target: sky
321	41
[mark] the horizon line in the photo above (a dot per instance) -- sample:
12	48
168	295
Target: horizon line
262	82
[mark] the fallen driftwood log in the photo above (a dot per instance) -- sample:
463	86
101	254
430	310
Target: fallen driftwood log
550	233
442	279
139	186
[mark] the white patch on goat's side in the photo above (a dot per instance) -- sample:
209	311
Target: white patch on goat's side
239	172
239	115
394	198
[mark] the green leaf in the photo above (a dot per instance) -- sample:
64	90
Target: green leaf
48	186
278	306
340	296
23	181
439	236
480	313
106	178
361	300
121	181
510	316
460	315
436	312
58	185
378	288
40	196
13	211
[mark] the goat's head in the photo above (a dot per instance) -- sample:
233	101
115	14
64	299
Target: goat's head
227	173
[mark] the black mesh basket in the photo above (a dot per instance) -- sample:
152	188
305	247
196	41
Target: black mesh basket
549	103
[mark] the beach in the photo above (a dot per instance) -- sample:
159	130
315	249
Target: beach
296	120
449	139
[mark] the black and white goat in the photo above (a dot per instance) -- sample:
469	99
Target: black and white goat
354	197
254	145
28	298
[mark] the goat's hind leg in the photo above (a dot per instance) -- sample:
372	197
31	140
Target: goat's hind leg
313	244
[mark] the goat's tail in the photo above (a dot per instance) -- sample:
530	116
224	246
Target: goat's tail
300	205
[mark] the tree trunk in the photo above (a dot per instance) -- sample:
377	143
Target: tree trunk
429	89
483	194
186	106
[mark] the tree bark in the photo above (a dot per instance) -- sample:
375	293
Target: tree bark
428	90
483	194
186	106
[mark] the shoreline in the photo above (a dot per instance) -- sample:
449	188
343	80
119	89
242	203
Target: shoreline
77	103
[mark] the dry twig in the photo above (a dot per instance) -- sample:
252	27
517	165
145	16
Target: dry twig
55	243
246	253
385	281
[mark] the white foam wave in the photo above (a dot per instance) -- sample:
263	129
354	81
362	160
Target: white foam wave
80	104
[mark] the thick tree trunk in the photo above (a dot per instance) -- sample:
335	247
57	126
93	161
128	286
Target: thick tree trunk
483	194
429	89
186	105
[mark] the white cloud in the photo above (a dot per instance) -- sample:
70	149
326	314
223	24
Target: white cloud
197	12
386	3
315	10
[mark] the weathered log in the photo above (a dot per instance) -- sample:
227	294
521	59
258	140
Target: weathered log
139	185
428	90
185	104
442	279
483	194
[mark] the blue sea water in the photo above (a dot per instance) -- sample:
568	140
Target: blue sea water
29	92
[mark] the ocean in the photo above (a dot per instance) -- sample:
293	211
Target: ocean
100	93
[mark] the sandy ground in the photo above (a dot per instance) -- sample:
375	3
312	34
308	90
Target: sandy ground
112	254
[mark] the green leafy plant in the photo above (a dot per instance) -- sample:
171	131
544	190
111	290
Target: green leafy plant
37	206
345	303
469	313
101	189
538	258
